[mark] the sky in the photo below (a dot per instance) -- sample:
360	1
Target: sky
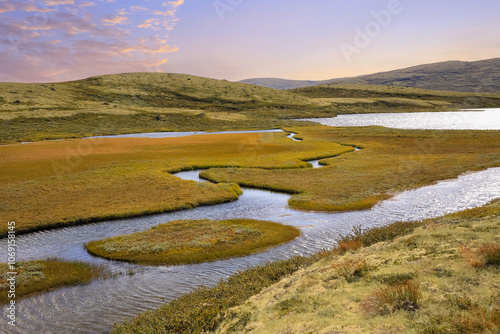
59	40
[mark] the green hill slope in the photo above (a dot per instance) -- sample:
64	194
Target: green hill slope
373	98
150	102
140	102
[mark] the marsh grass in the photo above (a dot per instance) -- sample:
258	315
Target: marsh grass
194	241
142	102
462	315
35	277
62	183
390	162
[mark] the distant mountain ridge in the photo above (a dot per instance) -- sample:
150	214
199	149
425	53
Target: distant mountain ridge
459	76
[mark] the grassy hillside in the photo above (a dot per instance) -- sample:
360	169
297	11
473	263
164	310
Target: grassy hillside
460	76
148	102
372	98
138	102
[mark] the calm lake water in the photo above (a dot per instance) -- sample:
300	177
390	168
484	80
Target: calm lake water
488	119
94	308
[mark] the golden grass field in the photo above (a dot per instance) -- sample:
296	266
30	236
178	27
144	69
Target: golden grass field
34	277
59	183
442	278
194	241
391	161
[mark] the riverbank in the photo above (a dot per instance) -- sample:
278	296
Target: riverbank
444	272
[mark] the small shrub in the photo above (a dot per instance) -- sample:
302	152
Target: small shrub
460	302
374	235
288	306
472	257
490	253
345	246
401	296
487	254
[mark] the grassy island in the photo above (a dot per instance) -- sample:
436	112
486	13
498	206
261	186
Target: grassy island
35	277
194	241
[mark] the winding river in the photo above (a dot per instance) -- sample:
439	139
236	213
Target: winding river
93	308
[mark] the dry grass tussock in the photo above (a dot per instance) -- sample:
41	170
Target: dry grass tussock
194	241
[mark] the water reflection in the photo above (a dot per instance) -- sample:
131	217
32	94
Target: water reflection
488	119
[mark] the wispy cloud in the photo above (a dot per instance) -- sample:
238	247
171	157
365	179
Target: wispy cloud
21	6
164	13
114	20
71	39
59	2
176	4
138	9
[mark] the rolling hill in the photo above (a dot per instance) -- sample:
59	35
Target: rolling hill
151	102
459	76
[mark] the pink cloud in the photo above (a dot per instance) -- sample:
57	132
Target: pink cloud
114	20
59	2
21	6
75	41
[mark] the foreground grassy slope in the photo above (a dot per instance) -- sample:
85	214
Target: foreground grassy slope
323	293
194	241
35	277
391	161
442	278
59	183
